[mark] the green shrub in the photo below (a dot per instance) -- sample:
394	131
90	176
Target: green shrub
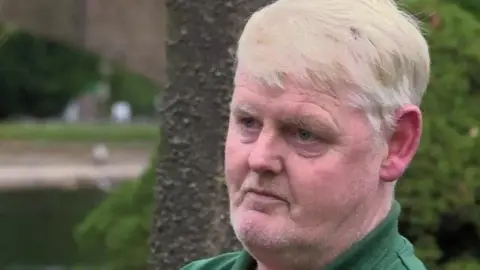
116	233
439	191
139	91
467	263
38	77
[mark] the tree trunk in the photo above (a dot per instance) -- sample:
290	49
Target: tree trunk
191	216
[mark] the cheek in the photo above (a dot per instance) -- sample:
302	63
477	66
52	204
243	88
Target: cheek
236	162
325	185
329	183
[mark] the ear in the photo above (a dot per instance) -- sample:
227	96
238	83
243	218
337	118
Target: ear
403	143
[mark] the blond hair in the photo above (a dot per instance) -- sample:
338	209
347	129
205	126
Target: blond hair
370	44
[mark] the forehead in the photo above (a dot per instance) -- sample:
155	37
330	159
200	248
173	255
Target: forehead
290	103
308	85
288	94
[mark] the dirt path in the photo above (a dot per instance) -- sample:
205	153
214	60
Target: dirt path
68	165
49	153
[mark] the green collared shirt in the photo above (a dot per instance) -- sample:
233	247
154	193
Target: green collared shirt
382	249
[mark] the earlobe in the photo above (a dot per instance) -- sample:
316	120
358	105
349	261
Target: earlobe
403	144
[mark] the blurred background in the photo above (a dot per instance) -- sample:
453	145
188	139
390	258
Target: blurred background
81	82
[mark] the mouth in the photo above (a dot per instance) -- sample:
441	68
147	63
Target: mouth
265	194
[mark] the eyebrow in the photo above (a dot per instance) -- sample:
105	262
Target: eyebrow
330	128
307	121
242	108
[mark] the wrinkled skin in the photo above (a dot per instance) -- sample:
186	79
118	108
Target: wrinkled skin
304	175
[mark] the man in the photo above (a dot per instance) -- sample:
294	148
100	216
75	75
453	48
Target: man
324	119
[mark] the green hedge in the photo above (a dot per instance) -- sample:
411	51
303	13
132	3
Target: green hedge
440	190
139	91
38	78
116	233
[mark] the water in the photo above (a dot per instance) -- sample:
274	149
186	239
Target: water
36	227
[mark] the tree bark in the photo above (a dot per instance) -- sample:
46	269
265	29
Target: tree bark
191	216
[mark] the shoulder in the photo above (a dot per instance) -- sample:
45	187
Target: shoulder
221	262
412	263
407	260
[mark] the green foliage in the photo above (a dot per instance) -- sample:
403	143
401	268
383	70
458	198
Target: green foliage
439	190
467	263
139	91
38	77
116	233
472	6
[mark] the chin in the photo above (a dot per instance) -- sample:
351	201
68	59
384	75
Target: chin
260	230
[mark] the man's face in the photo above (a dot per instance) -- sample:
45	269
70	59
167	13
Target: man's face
300	164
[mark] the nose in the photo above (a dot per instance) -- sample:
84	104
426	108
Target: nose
264	156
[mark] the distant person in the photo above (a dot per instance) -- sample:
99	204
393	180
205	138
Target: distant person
71	113
121	112
324	120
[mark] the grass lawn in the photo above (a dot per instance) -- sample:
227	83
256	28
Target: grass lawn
79	132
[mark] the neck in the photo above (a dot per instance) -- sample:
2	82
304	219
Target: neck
350	232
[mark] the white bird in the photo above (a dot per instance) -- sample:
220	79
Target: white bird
100	153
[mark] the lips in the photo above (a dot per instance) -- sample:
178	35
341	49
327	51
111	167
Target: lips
265	193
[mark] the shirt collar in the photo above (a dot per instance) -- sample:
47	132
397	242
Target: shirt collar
373	248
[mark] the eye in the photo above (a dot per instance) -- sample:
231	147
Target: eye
248	123
305	135
306	143
248	128
303	138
